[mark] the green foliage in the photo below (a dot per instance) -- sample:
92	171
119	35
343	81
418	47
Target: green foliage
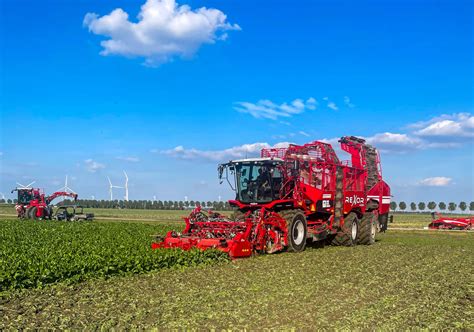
471	206
33	254
421	206
413	206
402	206
442	206
431	205
393	206
463	206
452	206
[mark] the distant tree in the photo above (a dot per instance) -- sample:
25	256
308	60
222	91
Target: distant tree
2	201
452	206
413	206
9	201
15	201
463	206
421	206
431	206
192	204
471	206
402	205
393	206
442	206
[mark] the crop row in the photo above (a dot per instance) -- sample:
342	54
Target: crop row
33	254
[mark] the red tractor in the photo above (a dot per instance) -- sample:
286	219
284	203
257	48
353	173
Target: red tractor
291	195
34	204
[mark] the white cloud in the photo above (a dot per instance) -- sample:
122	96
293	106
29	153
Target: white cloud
129	159
348	103
438	181
236	152
393	142
163	30
93	166
267	109
304	133
333	106
455	125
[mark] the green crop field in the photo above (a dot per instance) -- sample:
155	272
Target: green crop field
102	274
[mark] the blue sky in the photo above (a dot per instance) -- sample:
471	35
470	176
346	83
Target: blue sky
169	91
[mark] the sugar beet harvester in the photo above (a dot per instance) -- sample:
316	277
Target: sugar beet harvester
291	195
32	203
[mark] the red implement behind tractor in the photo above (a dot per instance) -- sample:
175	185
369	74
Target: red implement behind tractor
291	195
442	222
32	203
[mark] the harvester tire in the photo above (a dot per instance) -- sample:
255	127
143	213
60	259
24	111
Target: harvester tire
297	229
348	233
33	213
27	213
368	228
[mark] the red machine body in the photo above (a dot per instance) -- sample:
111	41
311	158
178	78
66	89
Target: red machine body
291	195
443	222
32	203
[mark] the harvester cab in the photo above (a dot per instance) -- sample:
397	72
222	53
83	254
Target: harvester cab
255	181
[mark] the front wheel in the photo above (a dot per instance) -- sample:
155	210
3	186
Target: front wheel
297	230
368	228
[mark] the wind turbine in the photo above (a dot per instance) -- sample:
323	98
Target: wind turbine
126	186
28	186
66	188
111	186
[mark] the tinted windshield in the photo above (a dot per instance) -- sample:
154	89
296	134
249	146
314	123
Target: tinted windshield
25	196
258	182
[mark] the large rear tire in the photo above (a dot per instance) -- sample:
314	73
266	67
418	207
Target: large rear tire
33	213
348	233
368	228
297	230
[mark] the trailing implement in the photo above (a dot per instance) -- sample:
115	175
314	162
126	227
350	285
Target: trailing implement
442	222
291	195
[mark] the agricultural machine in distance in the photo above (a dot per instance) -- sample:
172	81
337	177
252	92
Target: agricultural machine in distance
34	204
291	195
442	222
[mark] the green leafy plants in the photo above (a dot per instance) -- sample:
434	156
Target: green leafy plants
33	254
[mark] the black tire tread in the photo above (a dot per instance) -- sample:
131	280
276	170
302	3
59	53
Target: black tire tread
365	229
343	236
289	216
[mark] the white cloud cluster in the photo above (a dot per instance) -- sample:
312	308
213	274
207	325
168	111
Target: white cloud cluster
455	125
129	159
163	30
236	152
438	181
267	109
93	166
392	142
347	102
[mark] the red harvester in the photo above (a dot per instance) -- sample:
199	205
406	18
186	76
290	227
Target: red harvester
34	204
442	222
291	195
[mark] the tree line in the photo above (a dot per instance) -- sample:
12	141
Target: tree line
422	206
222	206
141	204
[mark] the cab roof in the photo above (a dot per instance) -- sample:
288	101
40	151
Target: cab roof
249	160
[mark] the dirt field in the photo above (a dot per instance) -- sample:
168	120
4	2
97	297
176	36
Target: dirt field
418	279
